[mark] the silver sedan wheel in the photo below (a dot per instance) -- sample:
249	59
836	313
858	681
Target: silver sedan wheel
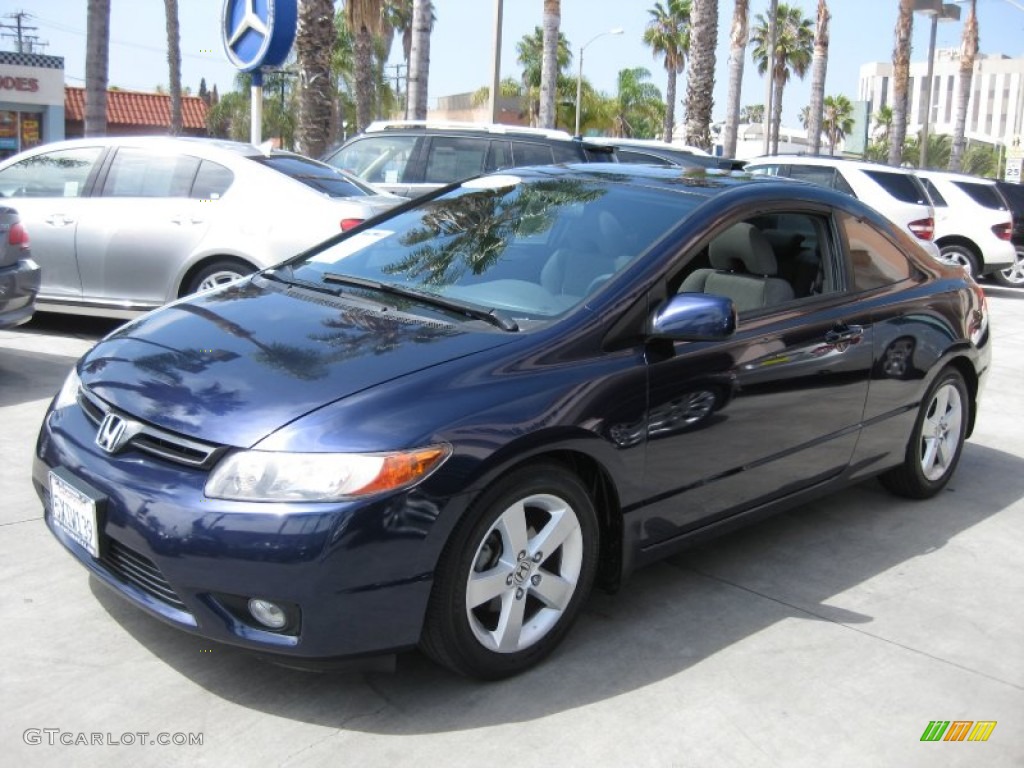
940	432
217	279
524	573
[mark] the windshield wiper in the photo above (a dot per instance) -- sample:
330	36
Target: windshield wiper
492	316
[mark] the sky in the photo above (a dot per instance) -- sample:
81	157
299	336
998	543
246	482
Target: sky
460	51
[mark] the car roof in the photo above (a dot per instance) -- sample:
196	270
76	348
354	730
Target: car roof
863	165
475	129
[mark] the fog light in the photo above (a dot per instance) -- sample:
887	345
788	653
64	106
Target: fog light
267	613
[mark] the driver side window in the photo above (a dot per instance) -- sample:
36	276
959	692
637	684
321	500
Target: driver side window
765	261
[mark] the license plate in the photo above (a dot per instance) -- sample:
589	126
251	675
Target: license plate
74	513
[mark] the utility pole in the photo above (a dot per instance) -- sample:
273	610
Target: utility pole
398	82
21	30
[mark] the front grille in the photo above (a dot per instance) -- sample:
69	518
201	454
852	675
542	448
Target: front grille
140	572
154	440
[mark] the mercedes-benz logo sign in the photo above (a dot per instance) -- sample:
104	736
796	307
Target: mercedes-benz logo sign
258	33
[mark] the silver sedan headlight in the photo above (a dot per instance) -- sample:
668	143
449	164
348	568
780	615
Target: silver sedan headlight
274	476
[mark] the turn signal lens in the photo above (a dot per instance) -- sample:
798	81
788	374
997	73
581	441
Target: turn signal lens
347	224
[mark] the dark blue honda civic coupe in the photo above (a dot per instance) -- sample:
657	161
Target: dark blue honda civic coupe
443	428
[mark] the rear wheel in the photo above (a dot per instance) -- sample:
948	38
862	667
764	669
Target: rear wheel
937	441
514	575
218	273
960	256
1014	276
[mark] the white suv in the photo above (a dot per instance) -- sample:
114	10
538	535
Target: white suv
973	224
894	192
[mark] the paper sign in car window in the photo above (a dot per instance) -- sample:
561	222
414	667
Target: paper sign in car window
351	245
70	189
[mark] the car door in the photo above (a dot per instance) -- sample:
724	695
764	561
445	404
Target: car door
146	228
49	191
771	411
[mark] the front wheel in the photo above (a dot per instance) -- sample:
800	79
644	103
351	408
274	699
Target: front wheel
1014	276
937	441
514	574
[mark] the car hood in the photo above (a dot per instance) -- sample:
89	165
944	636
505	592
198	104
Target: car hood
234	365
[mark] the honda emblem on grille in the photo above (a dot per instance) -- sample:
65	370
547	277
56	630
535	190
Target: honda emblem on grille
111	435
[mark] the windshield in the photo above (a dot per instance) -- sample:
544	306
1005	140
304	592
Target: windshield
531	249
319	176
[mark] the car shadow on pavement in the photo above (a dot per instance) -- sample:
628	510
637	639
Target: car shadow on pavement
666	619
27	376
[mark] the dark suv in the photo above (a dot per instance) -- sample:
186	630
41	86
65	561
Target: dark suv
412	157
1014	196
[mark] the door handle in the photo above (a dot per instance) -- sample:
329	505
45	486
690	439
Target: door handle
58	220
185	220
843	333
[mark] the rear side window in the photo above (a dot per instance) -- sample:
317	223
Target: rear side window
137	173
212	181
902	186
567	153
526	153
499	155
376	159
982	194
875	261
816	174
453	158
933	192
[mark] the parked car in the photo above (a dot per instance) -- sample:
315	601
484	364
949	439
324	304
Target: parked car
443	427
413	157
123	225
895	192
662	153
973	224
19	274
1013	194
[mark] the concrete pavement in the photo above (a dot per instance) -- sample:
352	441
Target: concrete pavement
830	635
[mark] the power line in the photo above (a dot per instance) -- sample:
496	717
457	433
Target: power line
25	42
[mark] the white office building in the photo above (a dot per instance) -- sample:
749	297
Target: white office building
994	110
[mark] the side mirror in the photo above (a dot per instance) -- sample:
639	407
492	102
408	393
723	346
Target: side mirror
693	317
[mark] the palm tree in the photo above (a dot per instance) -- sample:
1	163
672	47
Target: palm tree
737	47
794	44
883	121
819	65
365	19
968	52
901	80
700	85
805	116
638	106
174	64
529	55
837	119
752	113
549	62
314	43
419	58
668	35
97	57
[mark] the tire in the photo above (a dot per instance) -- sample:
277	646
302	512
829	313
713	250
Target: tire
500	602
960	256
937	441
1014	276
217	273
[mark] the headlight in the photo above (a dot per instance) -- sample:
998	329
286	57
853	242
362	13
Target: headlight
269	476
68	394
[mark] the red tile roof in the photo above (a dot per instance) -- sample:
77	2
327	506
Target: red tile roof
136	108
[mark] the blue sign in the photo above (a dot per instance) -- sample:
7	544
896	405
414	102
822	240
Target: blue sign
258	33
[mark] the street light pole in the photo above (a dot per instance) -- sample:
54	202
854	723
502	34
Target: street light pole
493	105
938	11
579	73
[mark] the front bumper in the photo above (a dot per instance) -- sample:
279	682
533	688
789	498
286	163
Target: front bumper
19	285
359	574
